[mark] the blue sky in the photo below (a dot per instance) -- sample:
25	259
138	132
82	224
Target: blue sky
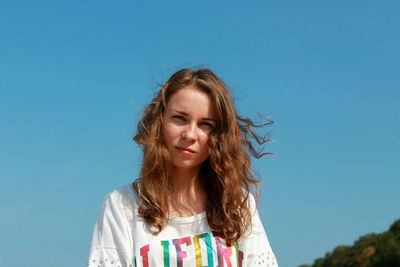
74	76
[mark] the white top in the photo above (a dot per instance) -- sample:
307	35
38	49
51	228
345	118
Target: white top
121	238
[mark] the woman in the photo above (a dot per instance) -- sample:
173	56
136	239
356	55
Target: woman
191	205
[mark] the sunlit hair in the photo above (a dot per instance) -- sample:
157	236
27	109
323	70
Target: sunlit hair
226	175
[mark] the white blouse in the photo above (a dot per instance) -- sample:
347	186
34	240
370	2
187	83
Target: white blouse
121	238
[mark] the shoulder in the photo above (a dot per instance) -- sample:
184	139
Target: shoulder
251	202
112	234
256	224
125	192
122	198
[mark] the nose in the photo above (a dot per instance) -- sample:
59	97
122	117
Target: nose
189	132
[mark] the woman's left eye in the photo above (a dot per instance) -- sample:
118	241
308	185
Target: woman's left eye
208	125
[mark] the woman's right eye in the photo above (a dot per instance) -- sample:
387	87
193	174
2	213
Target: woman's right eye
178	117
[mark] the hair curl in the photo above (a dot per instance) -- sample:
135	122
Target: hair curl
227	172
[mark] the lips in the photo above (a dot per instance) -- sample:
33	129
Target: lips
185	150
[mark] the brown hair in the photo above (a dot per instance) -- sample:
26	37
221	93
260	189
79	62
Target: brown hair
226	174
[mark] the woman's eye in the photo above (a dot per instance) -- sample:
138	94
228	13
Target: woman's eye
209	125
178	117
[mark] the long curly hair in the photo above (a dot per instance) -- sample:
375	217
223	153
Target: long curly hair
226	174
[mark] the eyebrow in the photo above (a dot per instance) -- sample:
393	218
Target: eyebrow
185	114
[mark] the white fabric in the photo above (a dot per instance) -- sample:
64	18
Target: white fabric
121	238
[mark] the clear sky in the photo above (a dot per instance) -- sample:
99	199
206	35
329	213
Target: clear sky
74	76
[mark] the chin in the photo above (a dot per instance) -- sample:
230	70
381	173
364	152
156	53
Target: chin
185	165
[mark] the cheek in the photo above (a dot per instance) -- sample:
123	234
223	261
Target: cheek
203	140
170	134
166	135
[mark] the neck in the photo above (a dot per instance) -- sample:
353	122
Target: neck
187	194
184	180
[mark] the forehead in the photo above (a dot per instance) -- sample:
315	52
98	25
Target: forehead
191	99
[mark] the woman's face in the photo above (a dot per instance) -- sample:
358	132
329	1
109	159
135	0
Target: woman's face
188	120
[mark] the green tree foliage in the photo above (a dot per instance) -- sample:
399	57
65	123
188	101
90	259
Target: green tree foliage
372	250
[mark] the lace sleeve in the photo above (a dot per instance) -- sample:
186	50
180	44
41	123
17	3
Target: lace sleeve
111	241
259	251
